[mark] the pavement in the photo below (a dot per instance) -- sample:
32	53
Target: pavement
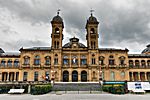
60	96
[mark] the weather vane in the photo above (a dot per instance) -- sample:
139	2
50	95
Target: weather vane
58	11
91	11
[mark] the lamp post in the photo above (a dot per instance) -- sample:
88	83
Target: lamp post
53	77
100	75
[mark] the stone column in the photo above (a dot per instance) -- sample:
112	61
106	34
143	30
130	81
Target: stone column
145	76
1	76
8	76
14	76
70	77
79	77
132	78
139	79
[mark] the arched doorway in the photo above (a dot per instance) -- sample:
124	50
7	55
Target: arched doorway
83	76
65	76
74	76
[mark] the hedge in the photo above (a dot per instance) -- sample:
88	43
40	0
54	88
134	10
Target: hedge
40	89
114	89
4	89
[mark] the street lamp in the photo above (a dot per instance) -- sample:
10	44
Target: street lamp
53	77
100	75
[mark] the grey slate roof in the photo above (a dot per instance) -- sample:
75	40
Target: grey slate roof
37	48
138	55
146	50
10	54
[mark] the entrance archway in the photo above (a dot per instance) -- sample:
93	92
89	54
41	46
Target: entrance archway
65	76
74	76
83	76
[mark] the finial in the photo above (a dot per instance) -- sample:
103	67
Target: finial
58	11
91	11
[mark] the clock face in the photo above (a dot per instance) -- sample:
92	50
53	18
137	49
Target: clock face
74	45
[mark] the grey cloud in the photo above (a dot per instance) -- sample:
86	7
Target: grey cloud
118	26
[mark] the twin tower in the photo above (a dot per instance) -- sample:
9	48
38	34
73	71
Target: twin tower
91	28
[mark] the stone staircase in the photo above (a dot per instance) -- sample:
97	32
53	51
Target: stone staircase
76	87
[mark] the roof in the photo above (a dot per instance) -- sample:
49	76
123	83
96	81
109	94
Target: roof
1	50
113	49
138	55
146	50
10	54
74	41
36	48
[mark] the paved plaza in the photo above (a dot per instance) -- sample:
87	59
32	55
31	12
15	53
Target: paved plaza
74	97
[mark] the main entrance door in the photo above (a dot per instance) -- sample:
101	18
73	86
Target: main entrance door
74	76
65	76
83	76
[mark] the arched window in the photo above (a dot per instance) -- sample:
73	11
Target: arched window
3	62
47	60
37	60
26	60
93	59
92	31
57	30
16	63
56	59
9	63
65	60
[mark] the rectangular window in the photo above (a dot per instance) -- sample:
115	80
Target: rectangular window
16	63
93	61
37	61
121	62
83	61
56	61
3	63
9	63
25	75
47	75
111	62
35	76
26	61
65	61
75	61
101	62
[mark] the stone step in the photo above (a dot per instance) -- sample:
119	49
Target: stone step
76	87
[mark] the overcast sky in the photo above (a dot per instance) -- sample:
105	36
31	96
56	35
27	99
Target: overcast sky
123	23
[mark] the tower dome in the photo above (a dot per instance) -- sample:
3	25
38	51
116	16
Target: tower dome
92	19
146	50
57	18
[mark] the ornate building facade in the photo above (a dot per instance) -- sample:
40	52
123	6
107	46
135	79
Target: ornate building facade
74	62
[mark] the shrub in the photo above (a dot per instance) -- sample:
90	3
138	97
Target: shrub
40	89
114	89
4	89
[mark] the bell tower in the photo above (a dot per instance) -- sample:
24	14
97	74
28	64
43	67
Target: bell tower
92	32
57	31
